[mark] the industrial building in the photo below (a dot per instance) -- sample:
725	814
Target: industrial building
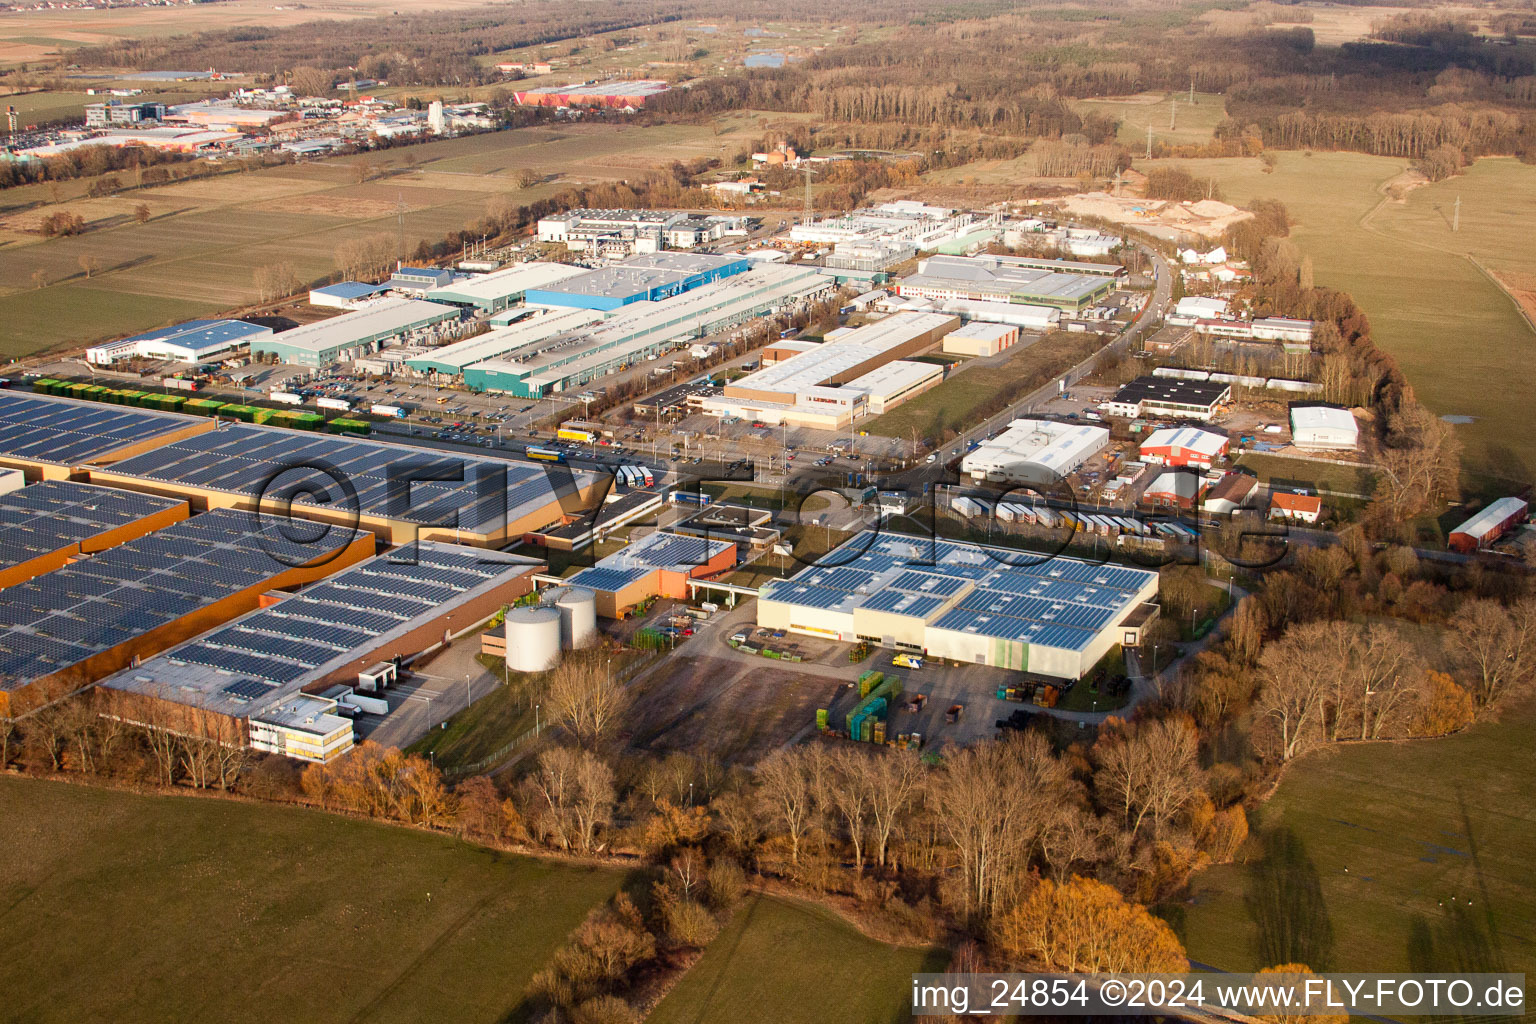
980	338
1174	488
53	438
501	342
399	492
72	626
644	330
626	232
191	342
1170	396
839	381
1231	493
1323	428
1015	314
1184	446
356	334
494	292
1005	279
632	94
1493	522
648	278
1034	452
658	565
903	222
56	522
268	674
1055	616
345	294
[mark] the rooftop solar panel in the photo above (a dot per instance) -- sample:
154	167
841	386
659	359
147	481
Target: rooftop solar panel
62	431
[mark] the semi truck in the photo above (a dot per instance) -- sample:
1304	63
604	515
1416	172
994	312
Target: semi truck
575	434
179	383
286	398
339	404
394	412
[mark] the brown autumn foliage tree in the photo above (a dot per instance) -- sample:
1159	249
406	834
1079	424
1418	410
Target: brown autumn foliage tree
1083	925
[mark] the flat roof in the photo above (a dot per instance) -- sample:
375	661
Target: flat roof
197	334
983	330
505	283
814	366
241	458
66	432
1053	601
895	376
250	665
642	274
1172	389
387	316
1044	444
349	289
46	517
990	273
1313	417
65	616
633	87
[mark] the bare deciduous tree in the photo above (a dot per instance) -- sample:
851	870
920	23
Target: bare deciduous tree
584	697
787	794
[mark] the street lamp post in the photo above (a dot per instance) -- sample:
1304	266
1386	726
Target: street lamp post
536	719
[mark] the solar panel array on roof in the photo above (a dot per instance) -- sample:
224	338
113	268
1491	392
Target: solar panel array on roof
600	577
65	616
1056	601
46	517
68	433
242	459
336	617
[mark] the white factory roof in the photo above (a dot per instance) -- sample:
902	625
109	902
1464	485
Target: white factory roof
1189	438
1057	447
387	316
507	281
814	367
1200	306
895	377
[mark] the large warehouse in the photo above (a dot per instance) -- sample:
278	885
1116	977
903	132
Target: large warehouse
52	438
647	278
904	221
1004	279
503	342
258	678
980	338
1323	428
356	334
966	602
74	625
644	330
1034	452
839	381
191	342
1494	521
367	484
618	95
53	523
494	292
1170	396
658	565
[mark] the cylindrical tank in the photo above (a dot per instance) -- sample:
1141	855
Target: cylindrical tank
533	639
578	614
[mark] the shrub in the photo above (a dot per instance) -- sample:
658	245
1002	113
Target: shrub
727	883
691	924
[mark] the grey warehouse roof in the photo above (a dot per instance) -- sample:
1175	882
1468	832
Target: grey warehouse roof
67	432
240	458
65	616
250	665
40	519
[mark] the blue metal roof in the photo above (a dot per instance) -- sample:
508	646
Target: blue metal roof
349	289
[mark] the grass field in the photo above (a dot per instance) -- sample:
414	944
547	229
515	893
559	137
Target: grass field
1454	331
131	908
204	239
1311	473
950	405
1191	124
787	963
41	107
1417	846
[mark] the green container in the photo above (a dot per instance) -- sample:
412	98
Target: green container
866	729
821	719
341	425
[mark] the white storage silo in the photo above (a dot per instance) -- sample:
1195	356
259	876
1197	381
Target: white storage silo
578	614
533	639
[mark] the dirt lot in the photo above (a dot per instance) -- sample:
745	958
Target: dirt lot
734	709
